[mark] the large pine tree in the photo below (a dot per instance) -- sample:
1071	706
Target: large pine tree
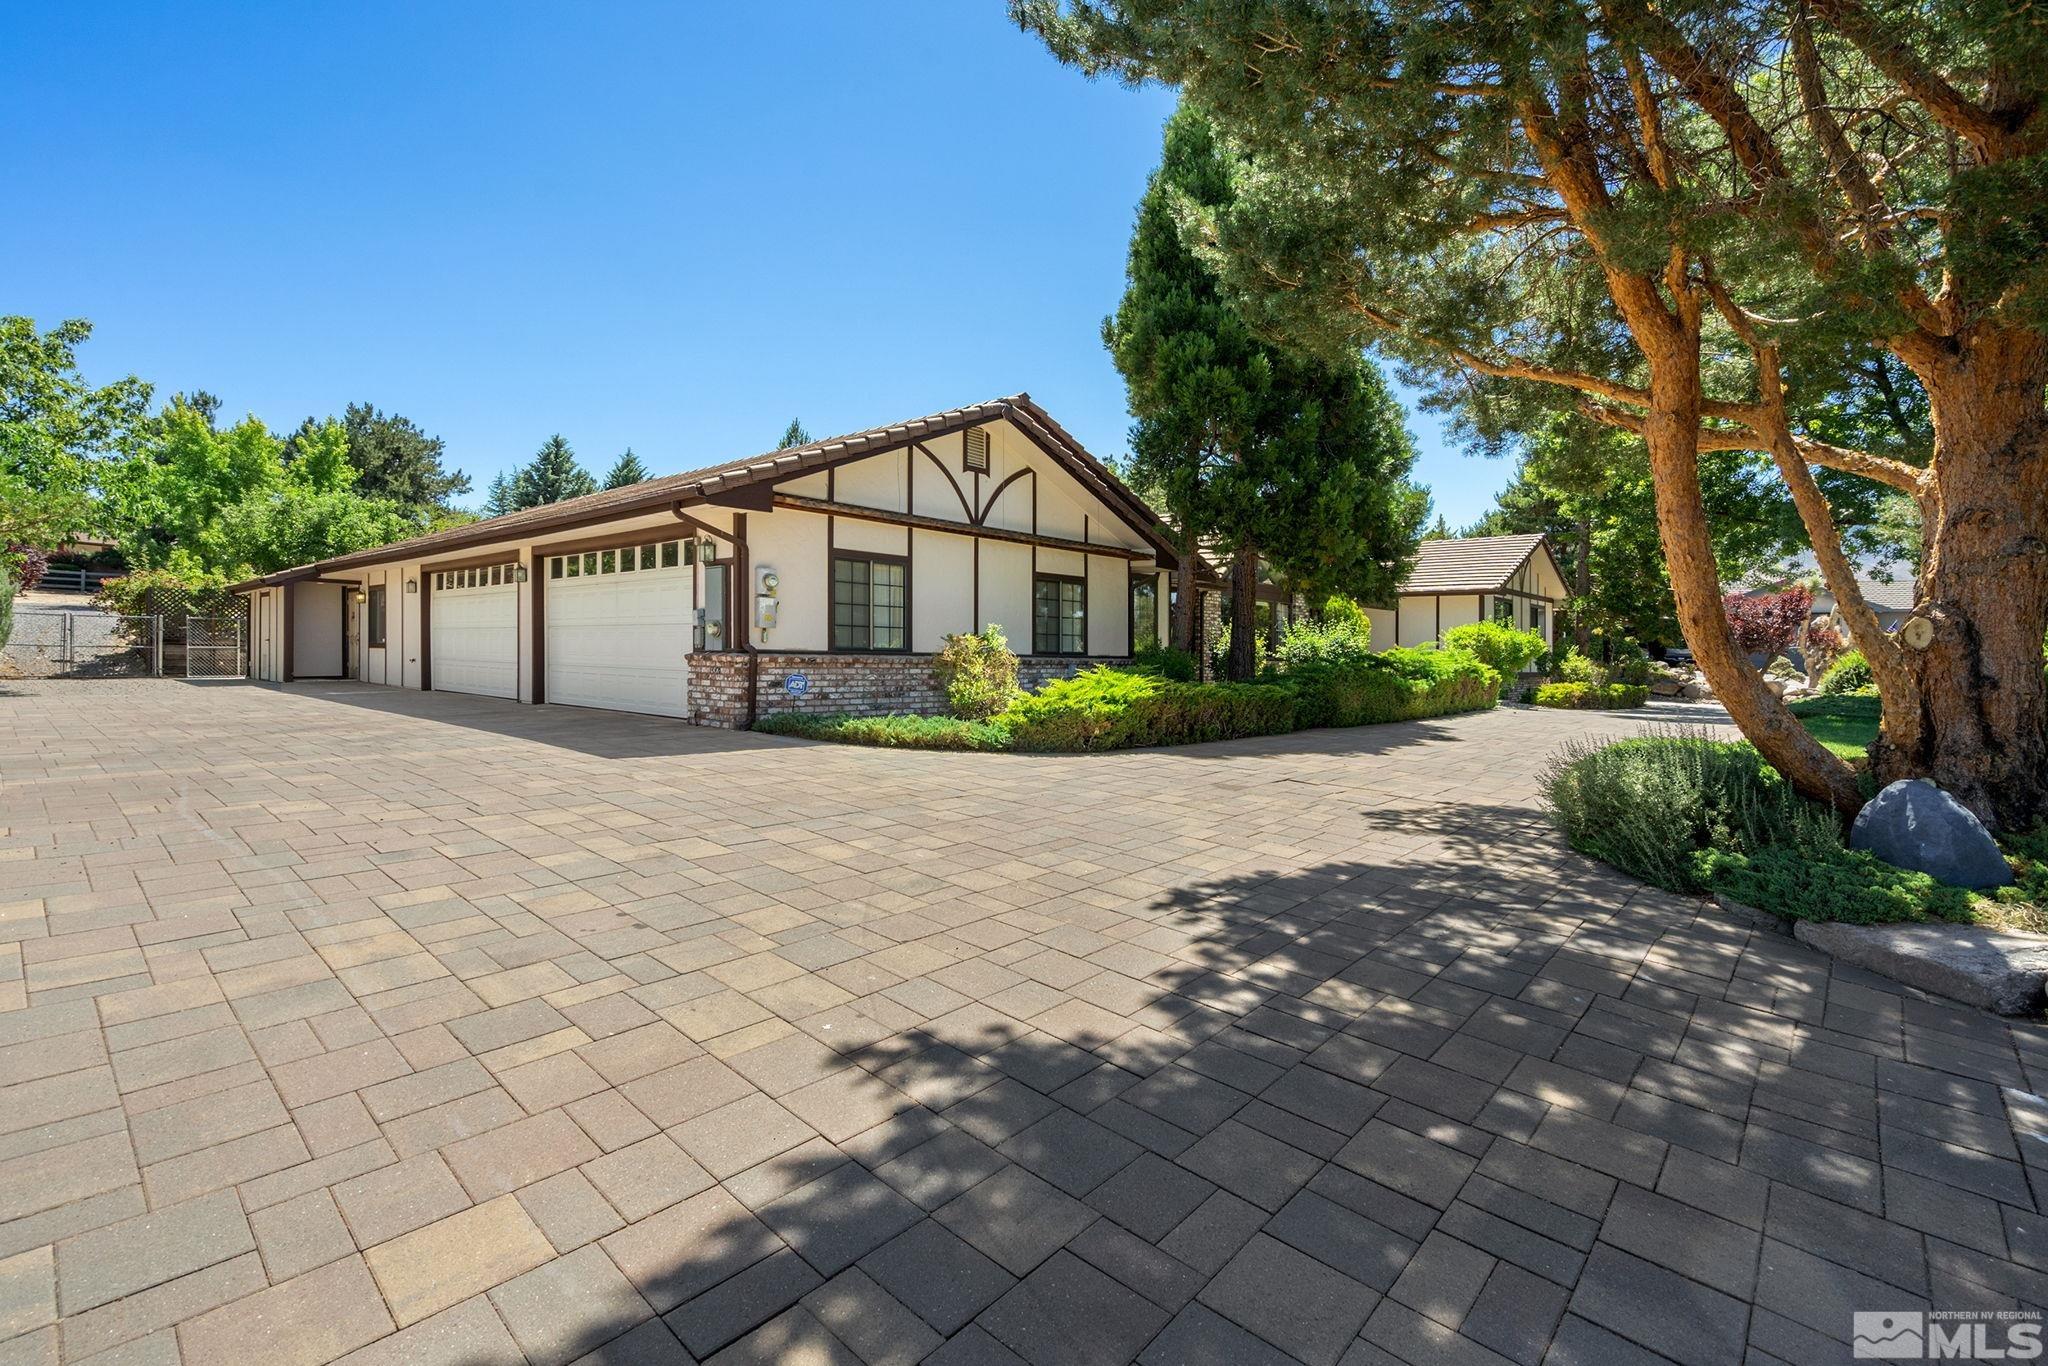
552	475
627	469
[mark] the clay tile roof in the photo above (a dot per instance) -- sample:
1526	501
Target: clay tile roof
653	495
1470	564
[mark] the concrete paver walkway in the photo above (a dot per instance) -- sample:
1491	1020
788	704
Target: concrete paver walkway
338	1023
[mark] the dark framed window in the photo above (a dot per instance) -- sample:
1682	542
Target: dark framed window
375	613
870	602
1059	615
1536	617
712	624
1144	610
1504	611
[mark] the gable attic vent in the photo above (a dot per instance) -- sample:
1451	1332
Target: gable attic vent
975	457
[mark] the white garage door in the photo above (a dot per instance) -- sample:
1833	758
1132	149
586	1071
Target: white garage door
619	626
474	629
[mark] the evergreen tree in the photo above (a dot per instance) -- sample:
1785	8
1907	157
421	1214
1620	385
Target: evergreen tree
551	476
1299	461
1440	530
394	459
503	495
627	469
794	435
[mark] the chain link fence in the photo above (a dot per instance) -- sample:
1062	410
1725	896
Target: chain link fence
82	645
215	647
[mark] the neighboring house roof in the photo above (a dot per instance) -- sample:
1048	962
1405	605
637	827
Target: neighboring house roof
1895	596
1888	585
712	481
1473	564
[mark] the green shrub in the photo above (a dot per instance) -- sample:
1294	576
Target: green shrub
1592	696
6	606
1178	665
1402	684
1341	636
890	732
1627	663
1850	673
1573	667
1504	649
1652	806
1829	882
979	673
1104	708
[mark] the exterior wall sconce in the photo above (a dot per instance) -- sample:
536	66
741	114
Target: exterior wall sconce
707	549
361	596
519	573
412	585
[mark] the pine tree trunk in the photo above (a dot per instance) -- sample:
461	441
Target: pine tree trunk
1672	433
1582	588
1984	585
1244	614
1187	597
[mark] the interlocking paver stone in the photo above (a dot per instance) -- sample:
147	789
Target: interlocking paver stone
364	1023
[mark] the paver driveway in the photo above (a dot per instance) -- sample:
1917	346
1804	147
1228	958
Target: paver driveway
433	1029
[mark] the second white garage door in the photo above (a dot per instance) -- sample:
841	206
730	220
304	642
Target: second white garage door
619	626
474	629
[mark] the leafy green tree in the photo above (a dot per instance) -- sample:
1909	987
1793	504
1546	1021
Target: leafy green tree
394	460
1697	222
53	422
627	469
551	476
794	434
1294	459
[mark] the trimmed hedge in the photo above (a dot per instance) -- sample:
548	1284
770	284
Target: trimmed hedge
1104	708
1848	674
890	732
1592	696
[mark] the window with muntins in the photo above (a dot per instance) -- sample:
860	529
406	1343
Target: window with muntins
1504	611
1536	617
1144	611
1059	615
376	617
870	603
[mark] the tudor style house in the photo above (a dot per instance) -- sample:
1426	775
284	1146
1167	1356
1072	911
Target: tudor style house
819	578
1514	580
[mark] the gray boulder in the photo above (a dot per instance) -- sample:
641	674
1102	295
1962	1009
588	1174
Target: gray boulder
1914	824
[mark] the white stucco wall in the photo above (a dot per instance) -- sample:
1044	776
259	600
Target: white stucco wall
1109	606
1006	590
942	589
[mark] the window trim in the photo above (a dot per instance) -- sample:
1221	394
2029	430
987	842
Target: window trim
376	624
1080	582
832	604
1150	579
1500	601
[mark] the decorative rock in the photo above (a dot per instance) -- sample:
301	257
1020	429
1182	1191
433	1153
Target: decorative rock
1667	687
1989	969
1914	824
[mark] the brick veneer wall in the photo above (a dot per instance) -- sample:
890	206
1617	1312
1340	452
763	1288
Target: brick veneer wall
849	685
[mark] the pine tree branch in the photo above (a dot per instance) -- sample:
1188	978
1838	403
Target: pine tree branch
1750	437
1954	110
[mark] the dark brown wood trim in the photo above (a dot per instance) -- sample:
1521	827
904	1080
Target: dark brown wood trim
1131	510
854	512
471	562
753	497
538	578
741	591
966	508
426	631
995	496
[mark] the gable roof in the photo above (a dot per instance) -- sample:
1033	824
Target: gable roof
1473	564
712	481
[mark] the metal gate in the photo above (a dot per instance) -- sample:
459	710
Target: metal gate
214	647
83	645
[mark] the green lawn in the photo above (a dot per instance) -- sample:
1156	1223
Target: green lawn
1845	725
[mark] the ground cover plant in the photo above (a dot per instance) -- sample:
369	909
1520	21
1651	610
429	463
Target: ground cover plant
1696	815
1591	696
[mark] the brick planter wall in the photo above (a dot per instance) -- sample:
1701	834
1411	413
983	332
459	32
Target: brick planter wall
841	685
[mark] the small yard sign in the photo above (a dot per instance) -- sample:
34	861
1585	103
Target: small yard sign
796	685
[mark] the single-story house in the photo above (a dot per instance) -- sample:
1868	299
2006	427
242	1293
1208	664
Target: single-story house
1887	587
822	577
1514	580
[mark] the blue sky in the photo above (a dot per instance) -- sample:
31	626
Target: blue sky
665	226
